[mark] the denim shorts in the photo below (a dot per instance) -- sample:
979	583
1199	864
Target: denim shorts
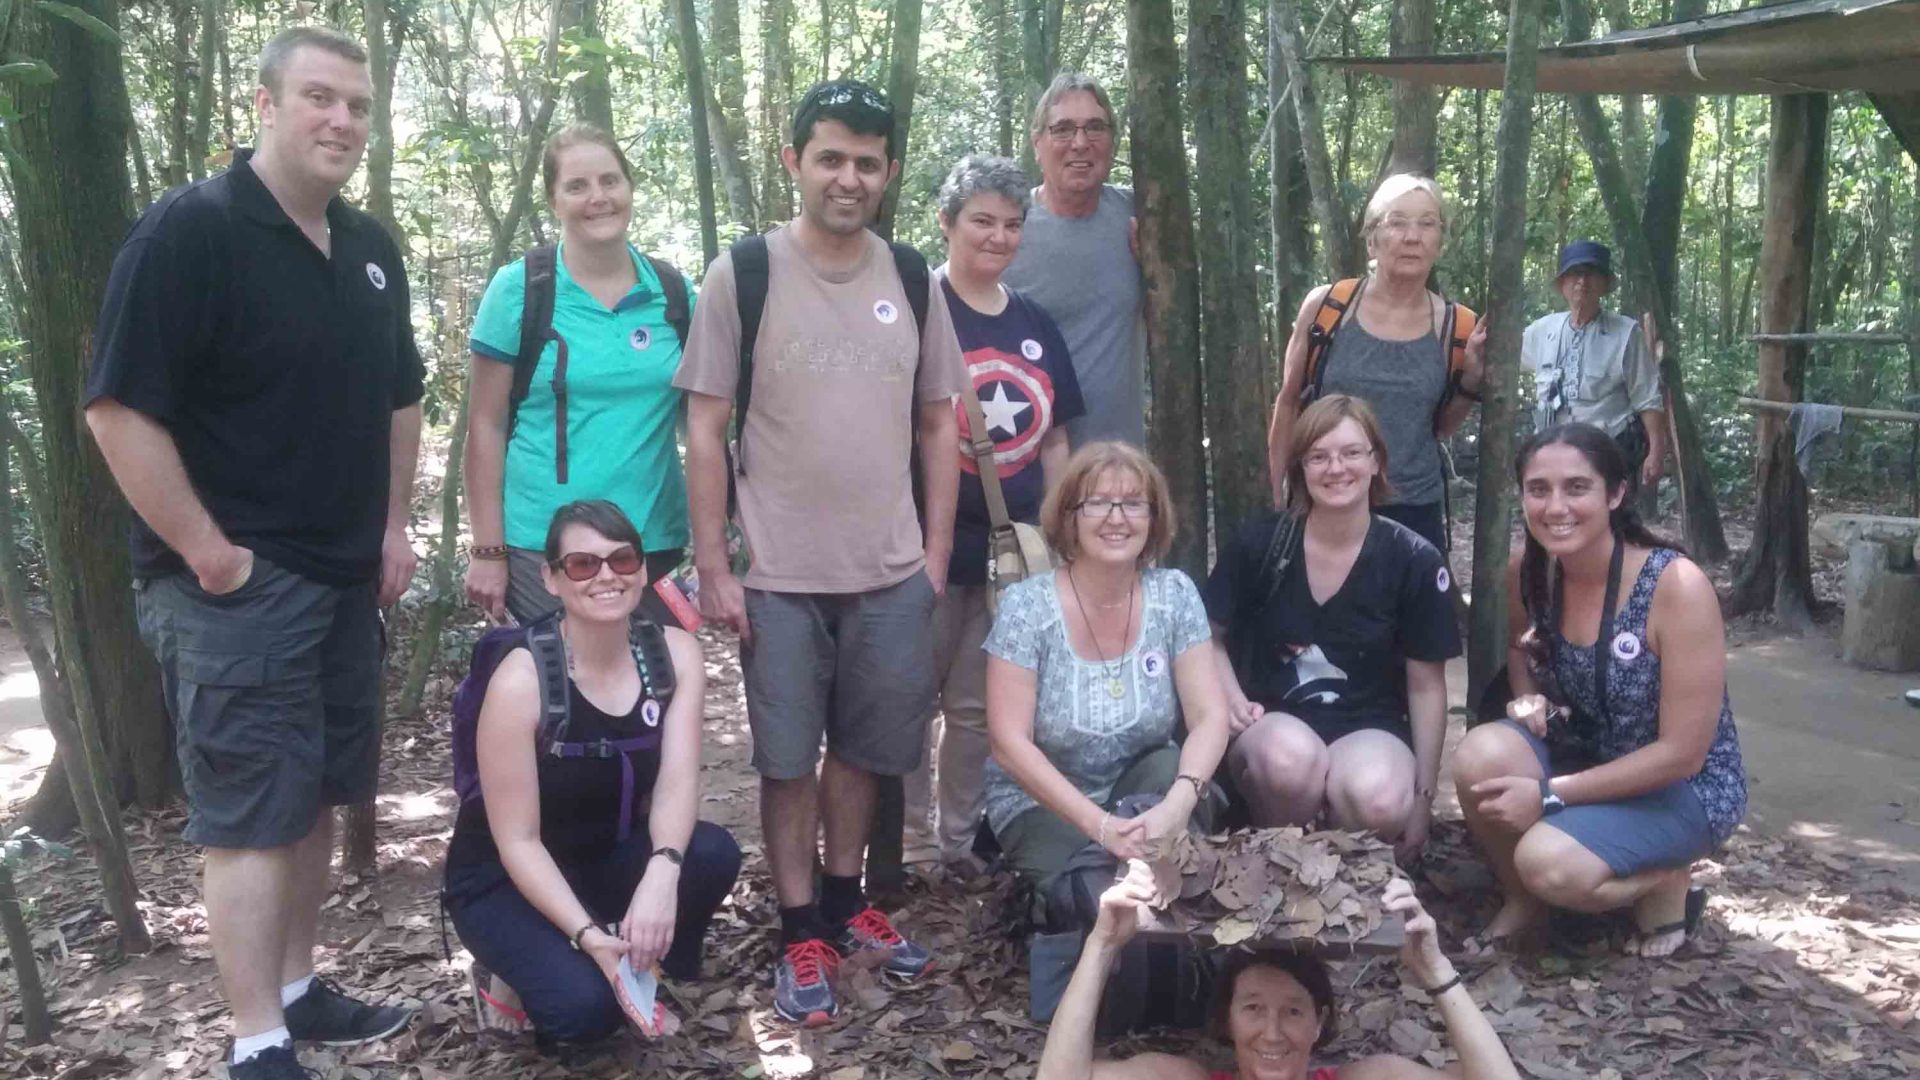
1658	830
854	668
274	689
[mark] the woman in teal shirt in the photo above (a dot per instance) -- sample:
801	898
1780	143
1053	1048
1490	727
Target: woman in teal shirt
612	434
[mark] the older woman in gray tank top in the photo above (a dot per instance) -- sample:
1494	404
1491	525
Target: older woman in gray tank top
1387	348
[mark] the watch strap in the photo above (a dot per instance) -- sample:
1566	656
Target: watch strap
672	855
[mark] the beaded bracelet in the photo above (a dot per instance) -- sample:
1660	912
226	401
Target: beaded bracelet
1199	786
1102	838
487	551
1445	986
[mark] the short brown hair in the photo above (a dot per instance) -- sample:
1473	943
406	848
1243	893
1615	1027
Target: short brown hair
1304	968
1084	470
578	135
275	56
1313	424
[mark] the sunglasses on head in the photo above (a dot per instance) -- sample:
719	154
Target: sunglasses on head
585	566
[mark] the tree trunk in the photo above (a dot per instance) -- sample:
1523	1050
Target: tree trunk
1705	537
1416	106
207	55
180	106
1723	169
26	967
1040	55
592	89
1237	393
687	25
776	89
70	178
1506	304
727	113
1164	208
1910	300
1290	204
1633	123
1666	190
994	14
1776	572
1328	210
903	76
383	58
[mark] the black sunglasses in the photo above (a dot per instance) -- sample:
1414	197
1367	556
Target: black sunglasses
585	566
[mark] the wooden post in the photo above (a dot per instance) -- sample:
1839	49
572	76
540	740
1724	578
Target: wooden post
1163	206
1506	302
1232	337
1776	571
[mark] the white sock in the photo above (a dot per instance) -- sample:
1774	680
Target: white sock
245	1048
293	991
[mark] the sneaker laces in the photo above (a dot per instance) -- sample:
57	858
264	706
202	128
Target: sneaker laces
812	960
874	924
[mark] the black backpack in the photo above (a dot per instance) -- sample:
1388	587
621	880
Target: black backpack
752	270
536	329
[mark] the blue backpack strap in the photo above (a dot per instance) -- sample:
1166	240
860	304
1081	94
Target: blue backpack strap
654	659
550	661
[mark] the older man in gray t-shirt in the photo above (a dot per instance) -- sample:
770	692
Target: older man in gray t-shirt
1076	259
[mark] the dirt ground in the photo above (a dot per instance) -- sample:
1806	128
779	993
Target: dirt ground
1810	963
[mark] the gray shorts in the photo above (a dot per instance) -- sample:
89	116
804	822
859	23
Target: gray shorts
1660	829
274	690
856	668
528	598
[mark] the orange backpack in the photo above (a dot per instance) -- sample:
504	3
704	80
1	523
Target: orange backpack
1456	326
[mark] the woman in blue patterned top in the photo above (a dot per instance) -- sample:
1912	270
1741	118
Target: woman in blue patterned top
1617	765
1088	669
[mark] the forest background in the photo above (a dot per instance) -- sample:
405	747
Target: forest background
1256	188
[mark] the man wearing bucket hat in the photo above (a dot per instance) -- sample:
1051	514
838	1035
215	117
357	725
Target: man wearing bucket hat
1595	367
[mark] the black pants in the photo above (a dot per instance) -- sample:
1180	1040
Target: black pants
566	996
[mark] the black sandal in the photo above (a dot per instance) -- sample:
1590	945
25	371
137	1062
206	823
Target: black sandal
1696	907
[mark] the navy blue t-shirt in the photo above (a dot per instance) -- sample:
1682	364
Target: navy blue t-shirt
1342	662
1019	365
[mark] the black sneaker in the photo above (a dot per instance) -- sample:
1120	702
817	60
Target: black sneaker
273	1063
326	1016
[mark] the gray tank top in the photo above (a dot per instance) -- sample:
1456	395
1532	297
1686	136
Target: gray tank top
1403	382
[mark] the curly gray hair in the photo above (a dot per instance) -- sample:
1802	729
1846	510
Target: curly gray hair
983	174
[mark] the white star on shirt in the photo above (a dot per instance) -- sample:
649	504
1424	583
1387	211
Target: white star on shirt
1001	413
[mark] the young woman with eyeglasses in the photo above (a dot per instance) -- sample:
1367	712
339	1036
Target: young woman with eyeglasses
1617	764
570	862
1332	629
1088	669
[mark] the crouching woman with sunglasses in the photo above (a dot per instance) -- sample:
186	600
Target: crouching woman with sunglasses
582	847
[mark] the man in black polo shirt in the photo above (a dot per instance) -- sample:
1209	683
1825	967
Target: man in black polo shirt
255	389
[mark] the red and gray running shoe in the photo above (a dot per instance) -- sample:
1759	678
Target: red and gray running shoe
871	930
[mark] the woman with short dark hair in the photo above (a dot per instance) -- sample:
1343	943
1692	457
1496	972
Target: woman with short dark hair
1274	1008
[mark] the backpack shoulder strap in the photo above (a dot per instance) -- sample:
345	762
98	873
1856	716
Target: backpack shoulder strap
1456	326
751	274
1279	555
651	653
915	278
1336	305
673	288
550	661
536	318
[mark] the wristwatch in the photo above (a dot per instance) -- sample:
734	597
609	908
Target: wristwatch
671	854
1550	803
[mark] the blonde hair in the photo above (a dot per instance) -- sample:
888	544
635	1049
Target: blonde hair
1391	189
1083	472
1316	422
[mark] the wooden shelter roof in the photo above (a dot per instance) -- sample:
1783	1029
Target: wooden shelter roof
1793	47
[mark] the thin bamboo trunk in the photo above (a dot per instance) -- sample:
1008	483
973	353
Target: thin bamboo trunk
1335	237
903	79
1506	306
687	36
26	967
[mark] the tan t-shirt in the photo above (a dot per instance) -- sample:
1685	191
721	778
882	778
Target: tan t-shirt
826	496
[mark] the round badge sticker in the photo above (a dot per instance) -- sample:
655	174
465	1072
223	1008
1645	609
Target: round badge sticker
1153	663
1031	349
640	338
376	275
884	311
1442	580
650	713
1626	646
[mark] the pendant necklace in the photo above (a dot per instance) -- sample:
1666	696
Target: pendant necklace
1116	688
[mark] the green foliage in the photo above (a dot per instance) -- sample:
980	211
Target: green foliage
81	19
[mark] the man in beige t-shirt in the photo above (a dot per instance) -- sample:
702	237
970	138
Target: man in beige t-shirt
835	613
